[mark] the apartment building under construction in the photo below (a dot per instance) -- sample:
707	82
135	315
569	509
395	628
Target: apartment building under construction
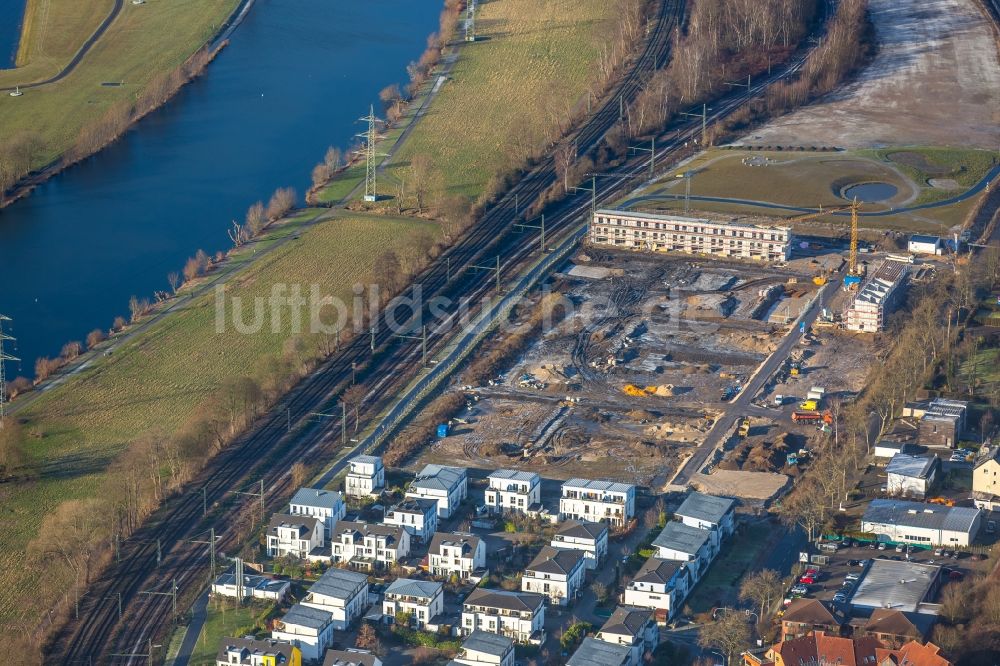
671	233
876	298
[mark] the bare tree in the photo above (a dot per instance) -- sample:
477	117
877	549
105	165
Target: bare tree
320	175
256	218
299	474
174	280
332	159
564	157
420	179
70	350
761	587
12	445
730	635
281	203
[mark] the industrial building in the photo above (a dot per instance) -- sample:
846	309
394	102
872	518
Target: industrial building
671	233
877	298
899	521
904	586
911	476
919	244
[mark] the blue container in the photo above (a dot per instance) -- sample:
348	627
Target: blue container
443	430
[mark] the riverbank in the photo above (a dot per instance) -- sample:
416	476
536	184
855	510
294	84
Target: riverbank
80	96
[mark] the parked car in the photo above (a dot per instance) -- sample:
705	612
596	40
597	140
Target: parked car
881	545
840	598
938	552
872	546
855	563
807	580
852	577
800	589
899	548
847	543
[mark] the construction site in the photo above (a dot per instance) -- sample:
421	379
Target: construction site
649	351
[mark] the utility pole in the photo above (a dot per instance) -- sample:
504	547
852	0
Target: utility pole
137	655
259	494
687	175
470	21
652	155
704	122
540	227
491	268
423	345
119	597
593	193
211	554
172	594
3	376
371	137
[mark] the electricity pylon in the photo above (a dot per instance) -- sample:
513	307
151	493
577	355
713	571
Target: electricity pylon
3	376
371	137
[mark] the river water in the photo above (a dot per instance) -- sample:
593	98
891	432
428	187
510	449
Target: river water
294	79
11	15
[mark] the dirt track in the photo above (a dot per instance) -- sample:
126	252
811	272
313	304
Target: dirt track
934	81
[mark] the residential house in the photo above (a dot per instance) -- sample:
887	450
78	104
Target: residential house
597	501
365	476
350	657
708	512
456	553
422	599
448	485
819	649
296	536
419	517
877	298
555	572
892	628
308	629
593	652
254	587
634	627
986	480
681	542
806	616
482	648
662	585
341	593
517	615
367	546
911	476
591	538
912	654
253	652
327	505
513	490
900	521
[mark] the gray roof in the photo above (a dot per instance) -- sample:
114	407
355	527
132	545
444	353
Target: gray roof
421	507
657	571
582	530
327	499
253	582
684	538
990	454
556	560
468	542
281	649
339	583
305	524
709	508
369	460
439	477
921	515
408	587
515	475
918	467
366	529
516	601
896	585
307	616
593	652
484	641
599	486
627	621
350	657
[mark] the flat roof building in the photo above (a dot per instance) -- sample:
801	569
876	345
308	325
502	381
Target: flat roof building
672	233
877	297
919	523
594	652
911	476
902	586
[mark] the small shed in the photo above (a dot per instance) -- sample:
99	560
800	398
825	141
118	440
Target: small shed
919	244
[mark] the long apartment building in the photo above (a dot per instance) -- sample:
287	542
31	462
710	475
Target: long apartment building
671	233
877	298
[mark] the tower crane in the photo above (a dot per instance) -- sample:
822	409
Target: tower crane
853	277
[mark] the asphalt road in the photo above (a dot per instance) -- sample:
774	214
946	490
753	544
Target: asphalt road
741	403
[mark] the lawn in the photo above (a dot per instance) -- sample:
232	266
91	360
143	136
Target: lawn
143	41
532	59
153	382
965	167
720	584
224	618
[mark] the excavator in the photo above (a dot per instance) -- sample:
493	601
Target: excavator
854	274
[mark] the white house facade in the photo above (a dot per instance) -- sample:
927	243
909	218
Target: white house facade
632	626
517	615
513	490
365	476
708	512
455	553
419	517
683	543
341	593
597	501
483	648
367	546
911	476
900	521
557	573
309	629
662	585
591	538
294	536
422	599
327	505
448	485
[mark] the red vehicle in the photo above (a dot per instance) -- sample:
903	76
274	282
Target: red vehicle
807	580
812	417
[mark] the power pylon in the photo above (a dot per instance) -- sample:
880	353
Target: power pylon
3	376
371	137
470	21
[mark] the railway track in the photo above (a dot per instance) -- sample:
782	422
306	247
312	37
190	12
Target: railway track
267	451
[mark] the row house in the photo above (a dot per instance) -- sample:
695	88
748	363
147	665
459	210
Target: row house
557	573
597	501
591	538
634	627
513	490
594	652
708	512
683	543
877	298
449	486
456	553
517	615
661	585
341	593
419	517
369	547
422	599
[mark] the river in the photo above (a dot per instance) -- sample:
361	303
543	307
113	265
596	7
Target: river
11	15
294	79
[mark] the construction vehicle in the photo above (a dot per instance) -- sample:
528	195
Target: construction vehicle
854	274
809	405
943	501
744	428
812	417
795	368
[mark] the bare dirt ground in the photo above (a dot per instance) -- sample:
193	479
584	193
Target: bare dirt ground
934	81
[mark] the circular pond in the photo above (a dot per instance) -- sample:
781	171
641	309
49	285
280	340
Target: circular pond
870	192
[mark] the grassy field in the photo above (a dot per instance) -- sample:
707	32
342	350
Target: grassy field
965	167
153	381
224	618
720	584
536	58
143	41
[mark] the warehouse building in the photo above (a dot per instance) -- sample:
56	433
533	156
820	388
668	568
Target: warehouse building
911	476
908	587
671	233
877	298
899	521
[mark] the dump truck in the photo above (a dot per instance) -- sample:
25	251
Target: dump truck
744	428
812	417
